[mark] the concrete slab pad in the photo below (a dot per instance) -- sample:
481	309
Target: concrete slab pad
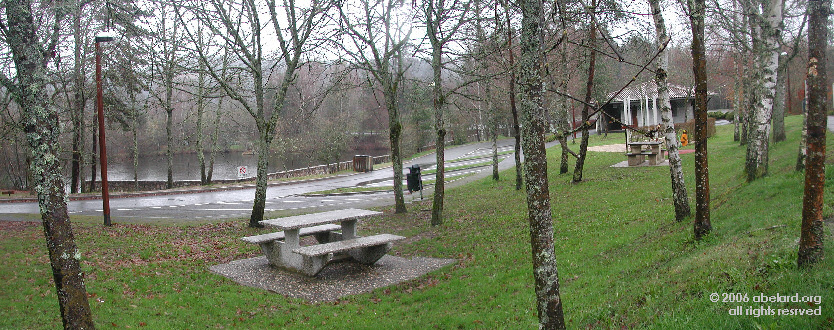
335	281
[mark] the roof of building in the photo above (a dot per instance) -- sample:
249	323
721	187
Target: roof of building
649	89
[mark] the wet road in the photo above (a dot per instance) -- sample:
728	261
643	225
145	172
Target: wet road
281	199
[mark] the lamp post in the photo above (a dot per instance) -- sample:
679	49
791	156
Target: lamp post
105	194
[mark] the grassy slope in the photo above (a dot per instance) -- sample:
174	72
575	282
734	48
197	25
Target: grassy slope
623	260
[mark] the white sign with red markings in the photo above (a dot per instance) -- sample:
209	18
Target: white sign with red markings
241	172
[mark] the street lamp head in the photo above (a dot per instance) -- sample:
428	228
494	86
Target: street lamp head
105	36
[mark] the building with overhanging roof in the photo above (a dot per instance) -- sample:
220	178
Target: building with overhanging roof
637	106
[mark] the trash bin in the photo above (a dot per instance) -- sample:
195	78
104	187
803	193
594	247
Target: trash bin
413	178
363	163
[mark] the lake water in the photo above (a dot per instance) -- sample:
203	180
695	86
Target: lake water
187	167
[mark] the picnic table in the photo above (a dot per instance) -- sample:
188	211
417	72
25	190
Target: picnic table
335	242
639	151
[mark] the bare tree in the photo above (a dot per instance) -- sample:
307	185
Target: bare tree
811	238
201	96
79	99
166	64
218	111
561	120
534	125
242	32
513	108
589	88
40	122
378	37
696	10
679	195
442	23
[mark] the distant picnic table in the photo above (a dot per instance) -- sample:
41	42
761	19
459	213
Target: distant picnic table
637	154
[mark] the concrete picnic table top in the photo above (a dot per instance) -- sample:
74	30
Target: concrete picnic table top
314	219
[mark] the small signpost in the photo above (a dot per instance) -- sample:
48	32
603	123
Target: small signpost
241	172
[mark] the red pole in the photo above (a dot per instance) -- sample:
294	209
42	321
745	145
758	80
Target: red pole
105	194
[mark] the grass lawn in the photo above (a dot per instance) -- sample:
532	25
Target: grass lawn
623	260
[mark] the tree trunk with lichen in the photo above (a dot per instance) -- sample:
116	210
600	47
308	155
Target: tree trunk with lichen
42	128
811	237
702	225
679	195
534	125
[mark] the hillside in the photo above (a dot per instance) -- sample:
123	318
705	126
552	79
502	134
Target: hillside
623	260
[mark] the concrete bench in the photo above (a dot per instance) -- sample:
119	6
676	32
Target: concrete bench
323	229
323	234
366	250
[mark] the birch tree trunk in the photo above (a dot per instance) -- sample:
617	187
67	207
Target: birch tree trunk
545	273
679	195
802	155
737	104
697	12
744	111
40	122
767	63
779	100
811	237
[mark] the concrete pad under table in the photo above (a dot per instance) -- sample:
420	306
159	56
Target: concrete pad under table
333	282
